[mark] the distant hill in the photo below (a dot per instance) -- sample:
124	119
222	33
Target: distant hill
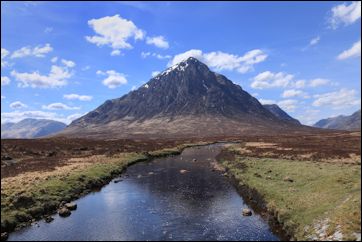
280	113
352	122
185	100
31	128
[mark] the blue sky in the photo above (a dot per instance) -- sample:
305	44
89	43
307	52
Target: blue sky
60	60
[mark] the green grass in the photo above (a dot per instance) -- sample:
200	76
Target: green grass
319	191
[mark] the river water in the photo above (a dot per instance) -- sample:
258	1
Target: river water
155	201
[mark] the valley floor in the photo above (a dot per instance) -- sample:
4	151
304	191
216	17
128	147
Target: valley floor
310	184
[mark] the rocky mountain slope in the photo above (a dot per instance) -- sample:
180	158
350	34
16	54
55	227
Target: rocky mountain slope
280	113
341	122
186	99
31	128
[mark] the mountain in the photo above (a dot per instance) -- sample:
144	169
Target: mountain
185	100
280	113
31	128
341	122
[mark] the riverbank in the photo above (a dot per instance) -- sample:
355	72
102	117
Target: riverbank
31	196
311	200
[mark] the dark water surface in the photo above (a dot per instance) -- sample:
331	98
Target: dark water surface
198	205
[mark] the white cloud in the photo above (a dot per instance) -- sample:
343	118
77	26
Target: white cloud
266	101
223	61
155	73
318	82
344	14
299	84
54	59
115	52
114	78
57	77
68	63
38	51
78	97
3	97
314	41
269	79
17	116
4	53
339	99
114	31
5	81
158	41
288	105
59	106
294	93
309	117
145	54
17	105
354	51
158	56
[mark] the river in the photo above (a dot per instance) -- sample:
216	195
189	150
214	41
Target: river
155	201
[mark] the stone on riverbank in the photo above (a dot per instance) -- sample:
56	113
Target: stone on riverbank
64	212
246	212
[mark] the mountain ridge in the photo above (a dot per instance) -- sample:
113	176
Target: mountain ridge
31	128
185	99
342	122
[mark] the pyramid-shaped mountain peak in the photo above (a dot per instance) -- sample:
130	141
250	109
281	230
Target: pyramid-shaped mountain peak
187	92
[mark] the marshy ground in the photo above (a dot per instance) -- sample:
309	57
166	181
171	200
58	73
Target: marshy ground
310	183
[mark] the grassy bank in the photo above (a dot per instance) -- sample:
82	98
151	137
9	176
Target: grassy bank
312	200
31	195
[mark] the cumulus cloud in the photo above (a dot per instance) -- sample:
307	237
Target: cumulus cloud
354	51
57	77
318	82
54	59
155	73
68	63
223	61
115	52
269	79
38	51
114	78
345	14
288	105
77	97
17	116
5	81
339	99
294	93
4	54
17	105
158	41
59	106
114	31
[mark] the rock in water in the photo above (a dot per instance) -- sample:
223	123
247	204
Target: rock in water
71	206
246	212
64	212
48	219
